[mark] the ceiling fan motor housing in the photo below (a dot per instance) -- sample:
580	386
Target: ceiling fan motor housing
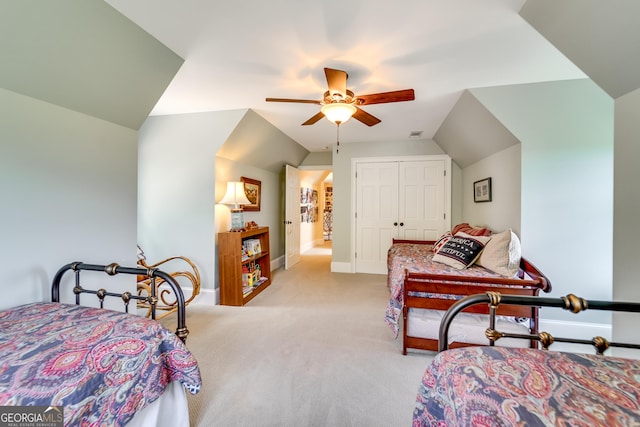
331	98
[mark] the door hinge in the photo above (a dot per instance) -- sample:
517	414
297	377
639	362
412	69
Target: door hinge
445	172
444	216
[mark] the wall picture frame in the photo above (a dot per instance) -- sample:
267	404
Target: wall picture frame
482	190
252	189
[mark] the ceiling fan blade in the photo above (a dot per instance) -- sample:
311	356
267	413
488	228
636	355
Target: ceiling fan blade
365	117
314	119
301	101
337	81
383	97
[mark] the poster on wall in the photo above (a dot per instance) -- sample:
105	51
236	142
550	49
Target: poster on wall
308	205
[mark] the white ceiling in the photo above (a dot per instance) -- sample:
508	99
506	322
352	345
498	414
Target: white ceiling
237	53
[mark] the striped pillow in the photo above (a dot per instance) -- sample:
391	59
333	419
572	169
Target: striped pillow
470	230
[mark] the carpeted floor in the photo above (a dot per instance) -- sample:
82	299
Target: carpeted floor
311	350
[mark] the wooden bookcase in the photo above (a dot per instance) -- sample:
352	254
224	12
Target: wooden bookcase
230	264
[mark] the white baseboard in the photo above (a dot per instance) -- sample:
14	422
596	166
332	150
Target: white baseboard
306	247
341	267
277	263
208	297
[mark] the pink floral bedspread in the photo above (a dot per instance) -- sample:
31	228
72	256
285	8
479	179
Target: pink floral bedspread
101	365
416	258
497	386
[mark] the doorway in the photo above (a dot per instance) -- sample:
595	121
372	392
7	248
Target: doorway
316	211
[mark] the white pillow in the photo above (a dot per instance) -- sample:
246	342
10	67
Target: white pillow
461	250
502	254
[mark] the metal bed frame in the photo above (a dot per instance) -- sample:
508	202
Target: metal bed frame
569	302
112	269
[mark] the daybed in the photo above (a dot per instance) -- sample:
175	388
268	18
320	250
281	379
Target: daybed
498	386
94	366
422	288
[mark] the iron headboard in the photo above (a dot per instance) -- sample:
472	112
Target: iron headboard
113	269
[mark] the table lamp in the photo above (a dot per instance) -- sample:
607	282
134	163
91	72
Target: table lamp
235	197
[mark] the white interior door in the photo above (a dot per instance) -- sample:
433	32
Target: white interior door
376	214
292	216
421	212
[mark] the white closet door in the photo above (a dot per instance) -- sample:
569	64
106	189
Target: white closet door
397	199
421	200
376	214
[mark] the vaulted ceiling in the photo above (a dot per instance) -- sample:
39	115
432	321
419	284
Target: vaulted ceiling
87	56
238	53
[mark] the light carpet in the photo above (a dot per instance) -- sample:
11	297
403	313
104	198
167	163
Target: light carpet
311	350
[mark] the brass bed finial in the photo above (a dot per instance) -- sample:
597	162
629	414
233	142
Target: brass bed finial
493	335
574	303
112	269
601	344
494	298
546	339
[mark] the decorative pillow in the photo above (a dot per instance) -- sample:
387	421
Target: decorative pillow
471	230
461	250
502	254
441	241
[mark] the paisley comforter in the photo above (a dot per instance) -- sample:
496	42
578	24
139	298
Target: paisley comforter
102	366
496	386
416	258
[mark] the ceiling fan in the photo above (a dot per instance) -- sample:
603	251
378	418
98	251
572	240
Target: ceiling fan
339	104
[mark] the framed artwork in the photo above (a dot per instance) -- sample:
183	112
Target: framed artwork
252	191
308	205
482	190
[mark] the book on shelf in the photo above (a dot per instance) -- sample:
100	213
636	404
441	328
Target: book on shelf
252	247
260	281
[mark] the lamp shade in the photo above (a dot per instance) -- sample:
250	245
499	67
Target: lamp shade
338	112
235	195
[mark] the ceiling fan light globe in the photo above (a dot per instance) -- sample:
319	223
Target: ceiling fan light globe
338	112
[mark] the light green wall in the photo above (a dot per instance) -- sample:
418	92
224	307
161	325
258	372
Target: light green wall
566	131
503	211
319	158
85	56
257	142
626	213
69	194
177	186
78	81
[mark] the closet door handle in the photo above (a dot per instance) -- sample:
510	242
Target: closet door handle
395	224
402	224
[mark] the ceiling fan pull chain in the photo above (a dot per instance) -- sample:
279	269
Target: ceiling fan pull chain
337	137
